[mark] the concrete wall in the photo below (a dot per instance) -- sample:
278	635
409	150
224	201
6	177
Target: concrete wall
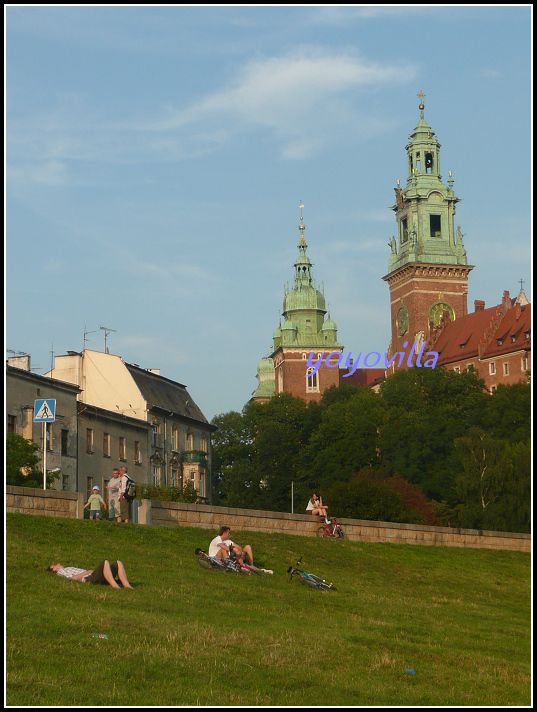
208	517
53	503
70	504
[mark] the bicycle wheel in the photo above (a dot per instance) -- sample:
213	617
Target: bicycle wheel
204	563
321	531
340	533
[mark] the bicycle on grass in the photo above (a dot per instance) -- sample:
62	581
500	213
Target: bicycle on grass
332	530
224	565
210	562
310	579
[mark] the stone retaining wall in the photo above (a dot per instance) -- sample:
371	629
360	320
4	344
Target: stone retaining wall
53	503
208	517
70	504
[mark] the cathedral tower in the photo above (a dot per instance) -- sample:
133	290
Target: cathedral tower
303	331
428	268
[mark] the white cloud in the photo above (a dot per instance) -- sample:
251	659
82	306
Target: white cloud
303	101
304	94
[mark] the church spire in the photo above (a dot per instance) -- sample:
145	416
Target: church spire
425	208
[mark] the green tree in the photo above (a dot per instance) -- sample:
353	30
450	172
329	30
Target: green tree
481	476
22	463
281	430
347	437
233	472
426	409
366	495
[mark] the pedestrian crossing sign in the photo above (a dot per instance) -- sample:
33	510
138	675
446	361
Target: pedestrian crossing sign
45	411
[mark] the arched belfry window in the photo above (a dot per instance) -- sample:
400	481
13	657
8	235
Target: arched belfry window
404	231
428	162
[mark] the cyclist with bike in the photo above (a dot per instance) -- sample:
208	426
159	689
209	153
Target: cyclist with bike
220	545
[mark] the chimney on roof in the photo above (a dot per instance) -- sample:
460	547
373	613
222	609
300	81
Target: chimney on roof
506	301
479	305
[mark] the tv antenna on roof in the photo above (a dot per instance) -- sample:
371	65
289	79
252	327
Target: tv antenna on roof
106	332
86	332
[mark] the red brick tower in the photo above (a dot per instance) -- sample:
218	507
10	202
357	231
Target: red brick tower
428	268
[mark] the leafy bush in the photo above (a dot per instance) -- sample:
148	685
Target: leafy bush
167	494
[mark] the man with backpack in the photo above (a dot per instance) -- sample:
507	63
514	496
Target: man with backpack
125	497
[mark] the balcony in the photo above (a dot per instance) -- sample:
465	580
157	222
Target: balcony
195	456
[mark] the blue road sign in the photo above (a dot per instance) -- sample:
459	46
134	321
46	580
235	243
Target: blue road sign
45	411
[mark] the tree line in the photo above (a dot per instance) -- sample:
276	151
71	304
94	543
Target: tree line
430	447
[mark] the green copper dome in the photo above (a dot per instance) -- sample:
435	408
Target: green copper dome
329	325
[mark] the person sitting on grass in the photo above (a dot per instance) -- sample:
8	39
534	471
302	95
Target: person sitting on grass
94	503
106	574
221	547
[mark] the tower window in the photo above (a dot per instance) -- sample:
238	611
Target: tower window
436	225
428	162
404	231
308	323
418	163
312	384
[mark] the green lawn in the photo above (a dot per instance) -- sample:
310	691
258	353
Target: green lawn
184	636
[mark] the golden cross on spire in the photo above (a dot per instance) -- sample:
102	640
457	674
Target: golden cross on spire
302	227
420	94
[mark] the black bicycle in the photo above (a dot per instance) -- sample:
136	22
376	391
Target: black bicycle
310	580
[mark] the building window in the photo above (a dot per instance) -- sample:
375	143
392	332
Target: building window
202	485
122	449
156	474
308	323
89	487
65	482
404	231
106	444
203	443
457	369
89	440
505	369
524	363
137	453
193	478
156	435
11	423
189	441
492	369
65	441
492	389
312	382
436	225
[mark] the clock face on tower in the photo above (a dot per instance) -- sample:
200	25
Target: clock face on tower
402	321
437	309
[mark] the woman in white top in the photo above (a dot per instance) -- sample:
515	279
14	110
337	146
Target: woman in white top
316	506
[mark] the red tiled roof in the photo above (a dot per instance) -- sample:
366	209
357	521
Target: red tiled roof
461	338
361	377
511	332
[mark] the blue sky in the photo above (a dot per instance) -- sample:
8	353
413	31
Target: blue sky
156	158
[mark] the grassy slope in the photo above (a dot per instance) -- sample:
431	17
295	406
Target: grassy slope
185	636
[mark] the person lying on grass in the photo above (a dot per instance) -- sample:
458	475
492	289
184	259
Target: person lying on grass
221	546
106	573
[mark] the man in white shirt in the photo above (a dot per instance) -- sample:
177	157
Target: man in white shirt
219	547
